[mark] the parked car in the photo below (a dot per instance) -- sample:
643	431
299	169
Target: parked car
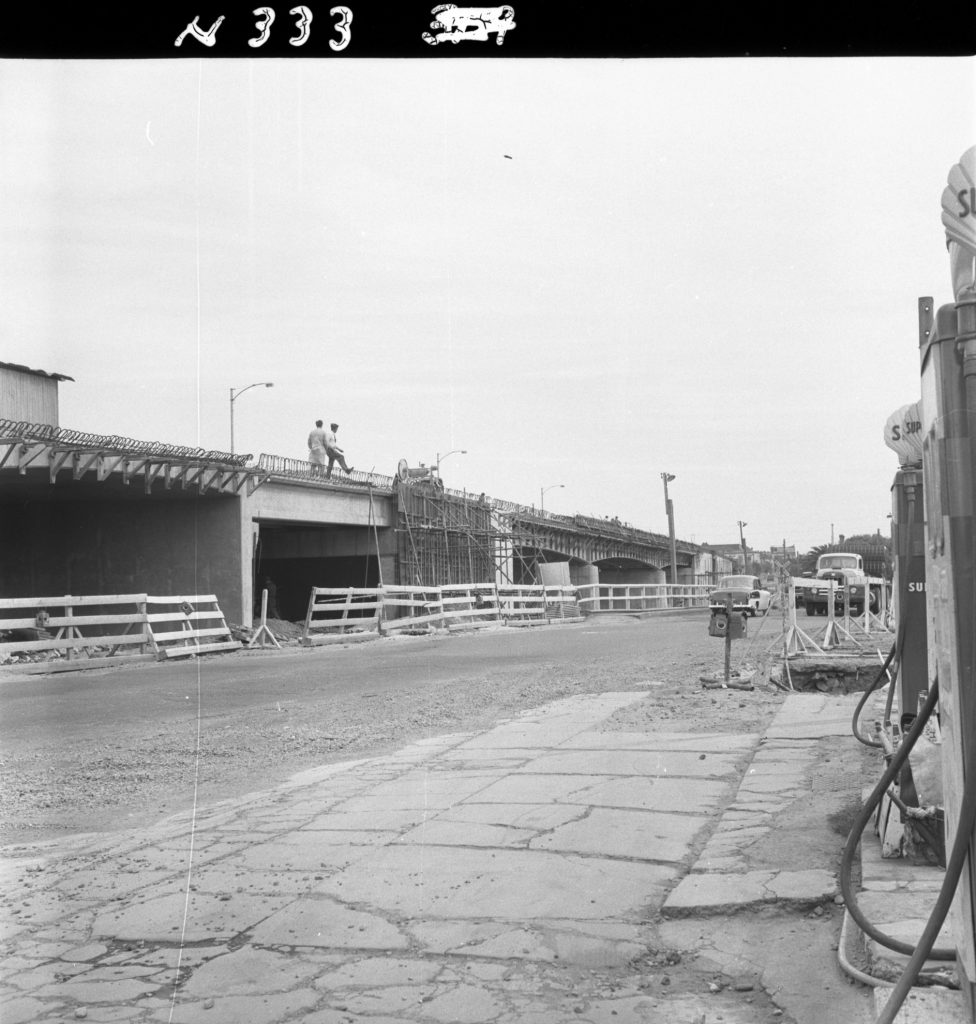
747	594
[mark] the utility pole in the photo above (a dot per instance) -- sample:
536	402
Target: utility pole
742	542
669	508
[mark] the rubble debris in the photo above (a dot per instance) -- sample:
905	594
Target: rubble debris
738	680
281	629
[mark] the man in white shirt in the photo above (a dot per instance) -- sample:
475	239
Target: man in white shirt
333	451
317	448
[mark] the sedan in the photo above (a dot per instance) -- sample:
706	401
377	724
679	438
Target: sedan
746	592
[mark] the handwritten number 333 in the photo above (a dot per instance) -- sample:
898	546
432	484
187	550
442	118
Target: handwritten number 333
265	17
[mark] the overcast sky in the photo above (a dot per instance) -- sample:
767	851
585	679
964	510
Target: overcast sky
584	273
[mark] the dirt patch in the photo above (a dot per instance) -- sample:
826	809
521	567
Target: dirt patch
834	674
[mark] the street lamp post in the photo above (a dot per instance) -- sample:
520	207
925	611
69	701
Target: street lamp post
542	495
234	395
669	508
440	458
742	544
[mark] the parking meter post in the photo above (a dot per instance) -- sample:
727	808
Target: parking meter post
728	640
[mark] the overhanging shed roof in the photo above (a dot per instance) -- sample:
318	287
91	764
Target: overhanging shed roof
37	373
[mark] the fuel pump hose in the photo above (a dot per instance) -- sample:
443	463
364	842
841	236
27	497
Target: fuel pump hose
854	837
954	868
855	720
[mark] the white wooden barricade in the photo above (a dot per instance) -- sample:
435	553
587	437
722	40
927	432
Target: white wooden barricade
471	607
562	604
639	597
107	629
522	605
535	604
86	632
801	584
341	611
410	609
388	610
186	625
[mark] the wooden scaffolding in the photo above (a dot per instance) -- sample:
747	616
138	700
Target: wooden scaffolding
445	538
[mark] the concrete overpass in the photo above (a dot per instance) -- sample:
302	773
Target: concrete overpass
94	514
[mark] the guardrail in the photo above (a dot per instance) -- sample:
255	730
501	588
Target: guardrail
640	597
302	469
90	631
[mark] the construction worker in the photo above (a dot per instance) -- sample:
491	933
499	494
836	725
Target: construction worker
333	451
269	586
317	445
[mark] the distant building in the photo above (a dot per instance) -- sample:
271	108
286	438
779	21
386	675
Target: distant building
731	552
710	566
29	395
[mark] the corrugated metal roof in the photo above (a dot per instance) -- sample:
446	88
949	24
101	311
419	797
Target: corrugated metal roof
37	373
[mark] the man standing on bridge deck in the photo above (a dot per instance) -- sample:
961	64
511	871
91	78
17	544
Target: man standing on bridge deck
333	451
317	444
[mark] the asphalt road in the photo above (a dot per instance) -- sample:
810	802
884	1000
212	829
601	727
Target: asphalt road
79	706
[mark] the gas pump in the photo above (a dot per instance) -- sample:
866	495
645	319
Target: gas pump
948	362
949	424
903	434
947	341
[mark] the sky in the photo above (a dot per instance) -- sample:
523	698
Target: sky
582	273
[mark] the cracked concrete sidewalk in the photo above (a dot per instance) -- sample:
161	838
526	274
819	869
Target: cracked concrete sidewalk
896	895
510	875
723	876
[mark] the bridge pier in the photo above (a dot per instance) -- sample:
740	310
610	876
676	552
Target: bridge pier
631	574
583	574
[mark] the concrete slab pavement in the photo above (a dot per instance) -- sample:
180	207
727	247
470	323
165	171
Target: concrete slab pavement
507	875
511	875
725	876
